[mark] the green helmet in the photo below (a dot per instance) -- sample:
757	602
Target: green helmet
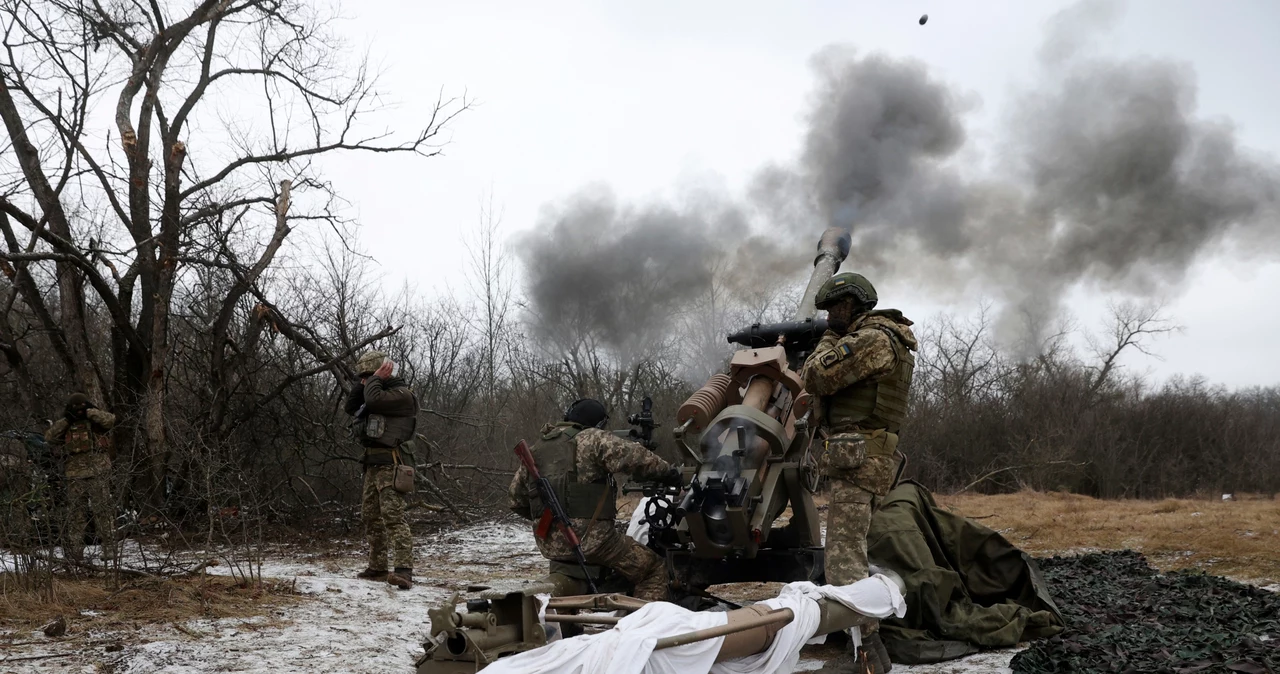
369	363
846	285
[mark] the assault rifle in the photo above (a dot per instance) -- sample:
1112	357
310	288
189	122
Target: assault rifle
553	512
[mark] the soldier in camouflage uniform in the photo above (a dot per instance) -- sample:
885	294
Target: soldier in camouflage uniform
861	371
386	412
579	459
83	437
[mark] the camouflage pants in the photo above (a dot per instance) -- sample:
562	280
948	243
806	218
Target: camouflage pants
85	496
604	545
857	484
382	512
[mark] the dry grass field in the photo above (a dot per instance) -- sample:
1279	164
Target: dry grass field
98	606
1239	539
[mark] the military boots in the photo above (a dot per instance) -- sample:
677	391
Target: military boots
372	574
401	578
876	655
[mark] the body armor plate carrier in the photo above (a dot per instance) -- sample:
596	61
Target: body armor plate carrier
871	405
82	438
556	457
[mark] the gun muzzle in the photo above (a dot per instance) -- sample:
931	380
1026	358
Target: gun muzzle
833	248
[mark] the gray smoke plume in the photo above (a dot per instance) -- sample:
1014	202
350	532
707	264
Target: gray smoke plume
1108	178
1123	185
1111	178
603	274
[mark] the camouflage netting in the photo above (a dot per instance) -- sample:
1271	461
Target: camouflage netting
1124	616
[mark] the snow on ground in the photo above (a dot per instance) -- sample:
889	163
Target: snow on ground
350	625
347	625
993	662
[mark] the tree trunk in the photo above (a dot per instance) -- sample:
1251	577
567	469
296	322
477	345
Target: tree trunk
70	289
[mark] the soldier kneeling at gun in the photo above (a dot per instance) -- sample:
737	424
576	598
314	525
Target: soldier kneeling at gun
579	459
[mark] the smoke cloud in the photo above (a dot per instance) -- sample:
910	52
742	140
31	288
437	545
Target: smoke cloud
1108	177
604	274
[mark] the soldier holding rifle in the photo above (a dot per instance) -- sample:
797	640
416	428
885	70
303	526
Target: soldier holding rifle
578	459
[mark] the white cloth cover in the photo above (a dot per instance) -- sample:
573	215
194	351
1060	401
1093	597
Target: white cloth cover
638	528
628	647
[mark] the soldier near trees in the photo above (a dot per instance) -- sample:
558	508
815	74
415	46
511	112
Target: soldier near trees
579	459
83	437
861	371
386	413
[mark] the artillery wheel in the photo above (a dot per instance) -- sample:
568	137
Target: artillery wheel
660	513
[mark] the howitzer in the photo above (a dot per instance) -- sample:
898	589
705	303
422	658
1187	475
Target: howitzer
750	430
552	513
747	433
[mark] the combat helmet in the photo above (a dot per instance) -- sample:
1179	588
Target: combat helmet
846	285
586	412
369	363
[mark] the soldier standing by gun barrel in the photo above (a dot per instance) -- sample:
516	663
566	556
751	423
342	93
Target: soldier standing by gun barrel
386	413
579	460
83	436
862	371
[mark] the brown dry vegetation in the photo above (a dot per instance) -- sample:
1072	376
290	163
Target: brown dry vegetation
137	602
1239	539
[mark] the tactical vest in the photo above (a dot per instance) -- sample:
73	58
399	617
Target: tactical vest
81	438
381	433
555	455
875	405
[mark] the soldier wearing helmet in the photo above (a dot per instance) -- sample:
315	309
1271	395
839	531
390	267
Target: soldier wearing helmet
83	437
579	459
386	414
861	372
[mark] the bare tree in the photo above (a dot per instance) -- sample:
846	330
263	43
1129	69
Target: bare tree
489	278
1131	326
127	209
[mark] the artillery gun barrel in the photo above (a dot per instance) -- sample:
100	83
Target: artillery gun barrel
750	630
833	248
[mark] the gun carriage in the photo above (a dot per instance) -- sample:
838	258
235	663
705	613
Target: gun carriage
745	440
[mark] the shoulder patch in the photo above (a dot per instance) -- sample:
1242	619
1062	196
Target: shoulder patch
839	353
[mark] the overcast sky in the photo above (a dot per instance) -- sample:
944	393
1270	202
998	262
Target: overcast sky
647	96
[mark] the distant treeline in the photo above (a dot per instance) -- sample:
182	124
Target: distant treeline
1057	422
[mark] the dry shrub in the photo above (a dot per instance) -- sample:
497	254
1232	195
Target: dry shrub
144	601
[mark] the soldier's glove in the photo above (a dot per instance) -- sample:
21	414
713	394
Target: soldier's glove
673	478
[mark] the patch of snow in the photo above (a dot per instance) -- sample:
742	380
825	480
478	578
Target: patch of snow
990	662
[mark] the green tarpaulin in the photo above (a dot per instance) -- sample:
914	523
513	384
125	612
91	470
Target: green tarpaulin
966	586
